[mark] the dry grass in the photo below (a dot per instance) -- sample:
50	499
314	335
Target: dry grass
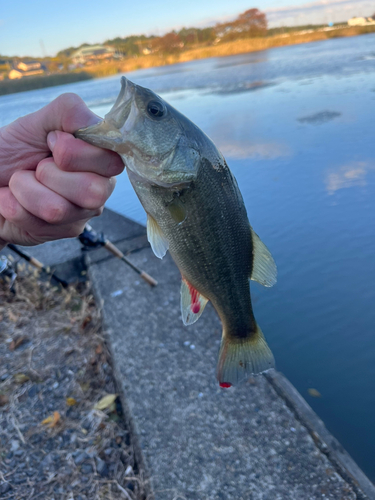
54	368
224	49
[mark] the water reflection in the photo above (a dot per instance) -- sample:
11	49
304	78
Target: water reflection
319	118
348	176
251	58
242	87
239	150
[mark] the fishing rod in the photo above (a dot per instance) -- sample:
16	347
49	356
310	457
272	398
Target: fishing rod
36	263
91	239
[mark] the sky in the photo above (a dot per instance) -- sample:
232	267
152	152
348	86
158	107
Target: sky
40	28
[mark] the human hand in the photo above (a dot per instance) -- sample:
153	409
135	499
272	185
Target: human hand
44	197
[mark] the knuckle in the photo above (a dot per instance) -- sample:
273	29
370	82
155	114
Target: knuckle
96	194
53	214
68	101
98	211
12	210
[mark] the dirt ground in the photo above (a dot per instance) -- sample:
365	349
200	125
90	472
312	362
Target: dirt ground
62	433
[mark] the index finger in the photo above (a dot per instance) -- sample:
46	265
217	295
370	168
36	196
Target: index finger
73	155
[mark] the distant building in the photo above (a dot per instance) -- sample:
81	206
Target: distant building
4	68
361	21
28	68
92	54
4	64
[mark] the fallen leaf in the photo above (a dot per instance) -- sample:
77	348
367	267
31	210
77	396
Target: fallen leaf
21	378
17	342
52	420
99	349
12	316
86	321
71	401
3	399
85	386
105	402
314	393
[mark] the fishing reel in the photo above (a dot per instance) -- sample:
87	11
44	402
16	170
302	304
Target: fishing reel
7	272
90	239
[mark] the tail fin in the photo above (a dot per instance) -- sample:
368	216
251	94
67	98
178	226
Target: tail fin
241	357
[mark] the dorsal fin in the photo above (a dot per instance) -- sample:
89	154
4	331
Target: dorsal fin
192	303
155	236
264	269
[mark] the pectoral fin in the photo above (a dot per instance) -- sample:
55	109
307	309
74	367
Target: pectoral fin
177	211
264	269
192	303
156	238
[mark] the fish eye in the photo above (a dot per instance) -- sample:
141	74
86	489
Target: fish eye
155	109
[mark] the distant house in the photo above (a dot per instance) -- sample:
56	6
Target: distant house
93	54
4	64
28	68
361	21
4	68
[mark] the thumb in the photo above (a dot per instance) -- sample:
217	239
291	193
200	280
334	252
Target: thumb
67	112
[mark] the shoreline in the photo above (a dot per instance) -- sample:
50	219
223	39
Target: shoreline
241	46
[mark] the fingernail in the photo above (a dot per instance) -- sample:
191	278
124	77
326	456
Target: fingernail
93	120
51	140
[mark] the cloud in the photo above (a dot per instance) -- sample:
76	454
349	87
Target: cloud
240	151
348	176
319	12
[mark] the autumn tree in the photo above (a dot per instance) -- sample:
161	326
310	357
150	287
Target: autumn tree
168	43
252	21
191	36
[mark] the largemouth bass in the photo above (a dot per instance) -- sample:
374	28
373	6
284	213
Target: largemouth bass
196	211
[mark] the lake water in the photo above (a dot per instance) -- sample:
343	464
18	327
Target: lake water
297	127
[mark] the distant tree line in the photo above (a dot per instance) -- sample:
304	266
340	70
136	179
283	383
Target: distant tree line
251	23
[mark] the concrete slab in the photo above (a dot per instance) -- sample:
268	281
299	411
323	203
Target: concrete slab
196	440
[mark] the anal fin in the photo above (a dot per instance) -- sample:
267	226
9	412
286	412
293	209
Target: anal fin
192	303
156	238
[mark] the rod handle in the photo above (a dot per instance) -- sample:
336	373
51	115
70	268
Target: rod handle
113	249
149	279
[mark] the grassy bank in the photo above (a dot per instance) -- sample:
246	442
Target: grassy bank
240	46
40	82
224	49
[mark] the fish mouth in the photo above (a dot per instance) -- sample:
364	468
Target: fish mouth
107	133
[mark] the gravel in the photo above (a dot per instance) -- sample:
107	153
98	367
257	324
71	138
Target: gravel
54	368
